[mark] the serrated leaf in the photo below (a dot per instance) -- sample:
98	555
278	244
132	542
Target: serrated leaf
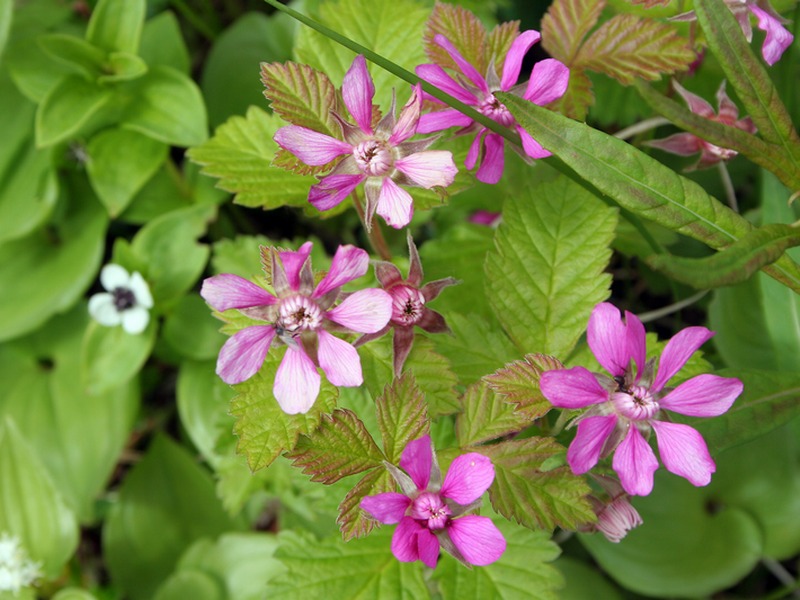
578	98
499	43
627	46
735	264
240	155
340	446
354	522
519	383
486	416
537	499
639	183
402	415
264	430
465	32
565	26
546	273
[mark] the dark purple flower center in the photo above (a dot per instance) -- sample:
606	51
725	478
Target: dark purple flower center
373	157
431	510
496	110
407	305
296	314
123	298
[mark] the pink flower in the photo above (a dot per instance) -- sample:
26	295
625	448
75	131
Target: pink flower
625	407
547	83
379	157
298	316
686	144
409	310
615	513
428	512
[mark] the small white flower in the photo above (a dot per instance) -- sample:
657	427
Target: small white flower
126	300
16	569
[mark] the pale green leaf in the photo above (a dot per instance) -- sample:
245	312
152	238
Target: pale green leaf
73	594
122	66
546	274
196	585
402	415
192	331
74	52
518	382
69	108
110	356
486	416
117	26
354	522
162	43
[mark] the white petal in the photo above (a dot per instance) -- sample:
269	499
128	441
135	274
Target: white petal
102	310
296	382
339	360
113	276
141	291
135	319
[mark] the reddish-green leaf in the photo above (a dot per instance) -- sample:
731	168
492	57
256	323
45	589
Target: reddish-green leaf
402	415
565	26
519	383
463	29
341	446
354	522
578	98
499	43
526	491
486	416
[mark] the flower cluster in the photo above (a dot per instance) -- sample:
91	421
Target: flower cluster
625	407
430	513
126	301
16	569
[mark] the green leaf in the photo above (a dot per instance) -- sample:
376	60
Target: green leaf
122	66
69	108
162	43
354	522
78	54
402	415
110	356
6	15
117	26
165	504
190	584
162	194
519	383
264	430
486	416
531	496
546	273
464	30
735	264
565	26
749	78
584	580
73	594
167	106
191	330
523	572
330	568
120	163
639	183
339	447
31	507
240	154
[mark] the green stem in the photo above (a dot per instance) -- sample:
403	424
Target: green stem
374	232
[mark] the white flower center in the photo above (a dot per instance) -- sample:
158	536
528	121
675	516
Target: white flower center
637	404
374	158
297	314
407	304
496	110
430	508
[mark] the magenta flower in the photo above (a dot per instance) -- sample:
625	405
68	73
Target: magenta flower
380	157
686	144
624	408
409	310
616	516
547	83
299	316
429	511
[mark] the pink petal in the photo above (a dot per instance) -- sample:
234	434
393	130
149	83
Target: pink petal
491	169
331	190
703	396
348	263
572	388
428	168
635	463
531	147
516	53
357	92
226	291
406	125
477	539
364	311
395	205
468	477
435	75
428	548
417	461
339	360
388	508
549	81
778	37
585	449
696	104
475	148
243	354
608	338
684	452
293	263
728	112
404	540
296	382
312	147
682	144
677	352
466	68
442	119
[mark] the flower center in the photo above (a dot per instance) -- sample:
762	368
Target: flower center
637	404
123	298
407	305
430	508
373	157
722	153
496	110
296	314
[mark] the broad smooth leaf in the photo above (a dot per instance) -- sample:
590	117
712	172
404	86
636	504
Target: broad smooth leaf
110	356
69	109
76	53
402	415
117	26
486	416
166	503
546	273
639	183
192	331
162	43
6	14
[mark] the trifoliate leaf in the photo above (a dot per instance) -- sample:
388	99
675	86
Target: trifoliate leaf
533	497
241	153
264	430
486	416
354	522
402	415
546	273
463	29
519	383
339	447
